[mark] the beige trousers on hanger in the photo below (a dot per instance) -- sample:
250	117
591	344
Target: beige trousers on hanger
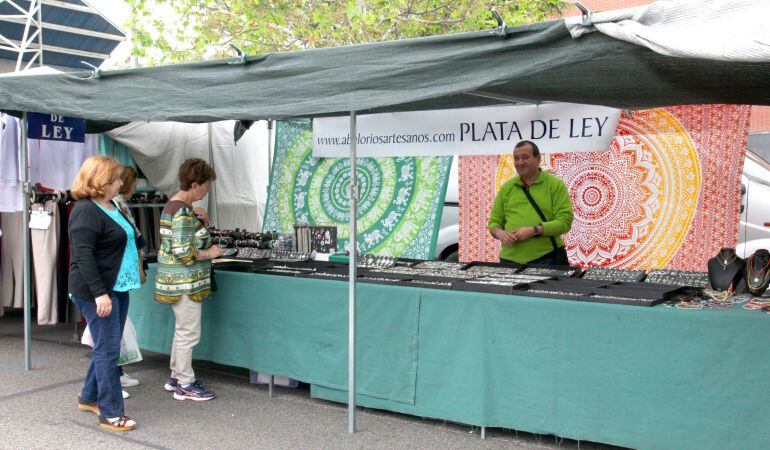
45	247
12	262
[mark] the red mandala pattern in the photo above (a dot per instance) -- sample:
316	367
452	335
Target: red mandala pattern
649	201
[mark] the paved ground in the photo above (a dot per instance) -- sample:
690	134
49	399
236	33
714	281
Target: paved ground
38	409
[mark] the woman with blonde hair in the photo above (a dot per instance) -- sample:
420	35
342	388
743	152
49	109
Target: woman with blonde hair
103	268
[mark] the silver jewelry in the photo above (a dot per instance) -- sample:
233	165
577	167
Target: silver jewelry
724	262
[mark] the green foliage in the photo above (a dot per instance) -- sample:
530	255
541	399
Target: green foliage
167	31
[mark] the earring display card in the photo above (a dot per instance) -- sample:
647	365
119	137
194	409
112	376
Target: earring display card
285	256
323	239
377	261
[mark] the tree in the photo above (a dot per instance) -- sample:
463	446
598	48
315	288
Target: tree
166	31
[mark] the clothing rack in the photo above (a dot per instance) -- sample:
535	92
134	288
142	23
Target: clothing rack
37	196
147	199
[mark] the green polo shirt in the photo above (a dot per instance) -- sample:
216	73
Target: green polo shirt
512	210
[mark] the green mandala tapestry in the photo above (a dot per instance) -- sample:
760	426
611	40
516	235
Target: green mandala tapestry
401	198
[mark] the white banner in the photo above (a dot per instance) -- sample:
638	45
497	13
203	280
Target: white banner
492	130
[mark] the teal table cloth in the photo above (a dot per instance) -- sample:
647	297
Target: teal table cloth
632	376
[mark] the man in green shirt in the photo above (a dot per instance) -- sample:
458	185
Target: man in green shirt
516	223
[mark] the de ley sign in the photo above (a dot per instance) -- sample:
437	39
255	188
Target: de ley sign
54	127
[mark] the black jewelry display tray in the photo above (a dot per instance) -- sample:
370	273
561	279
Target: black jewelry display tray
240	265
389	282
565	285
582	282
556	268
457	265
649	295
639	275
301	267
388	275
407	262
642	286
463	285
504	264
626	293
629	301
321	276
425	284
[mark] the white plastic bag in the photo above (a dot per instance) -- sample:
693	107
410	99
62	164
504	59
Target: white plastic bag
129	349
87	339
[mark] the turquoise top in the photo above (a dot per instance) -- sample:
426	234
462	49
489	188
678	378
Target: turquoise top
128	277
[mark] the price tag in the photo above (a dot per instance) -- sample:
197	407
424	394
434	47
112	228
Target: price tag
39	220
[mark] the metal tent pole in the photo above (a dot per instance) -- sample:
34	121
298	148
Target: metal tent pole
40	31
269	155
24	177
352	280
213	197
269	145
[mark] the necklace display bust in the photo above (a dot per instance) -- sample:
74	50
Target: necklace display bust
758	272
725	270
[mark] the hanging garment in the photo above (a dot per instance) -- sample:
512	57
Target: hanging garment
63	261
55	164
2	308
12	262
10	188
45	246
10	134
10	197
116	150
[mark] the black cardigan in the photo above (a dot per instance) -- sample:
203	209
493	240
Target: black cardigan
97	244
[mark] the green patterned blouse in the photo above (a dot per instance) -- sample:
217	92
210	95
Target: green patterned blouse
182	235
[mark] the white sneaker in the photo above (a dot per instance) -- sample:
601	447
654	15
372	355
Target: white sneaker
125	395
126	381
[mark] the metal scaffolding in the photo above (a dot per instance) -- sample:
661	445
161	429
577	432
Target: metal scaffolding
32	38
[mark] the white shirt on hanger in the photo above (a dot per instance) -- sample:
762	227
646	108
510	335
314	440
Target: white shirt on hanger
54	164
10	133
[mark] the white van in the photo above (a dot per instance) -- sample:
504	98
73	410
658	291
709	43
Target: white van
754	230
753	234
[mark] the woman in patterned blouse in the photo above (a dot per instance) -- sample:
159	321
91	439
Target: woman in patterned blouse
184	273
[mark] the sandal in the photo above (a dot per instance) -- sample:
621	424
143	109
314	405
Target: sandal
88	406
122	423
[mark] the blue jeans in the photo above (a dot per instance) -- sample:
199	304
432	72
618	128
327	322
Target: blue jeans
103	378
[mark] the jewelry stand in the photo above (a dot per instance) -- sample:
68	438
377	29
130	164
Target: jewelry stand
758	272
725	270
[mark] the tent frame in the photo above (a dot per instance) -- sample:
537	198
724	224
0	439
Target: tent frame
489	92
33	31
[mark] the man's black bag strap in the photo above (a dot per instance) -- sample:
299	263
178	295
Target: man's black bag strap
539	212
